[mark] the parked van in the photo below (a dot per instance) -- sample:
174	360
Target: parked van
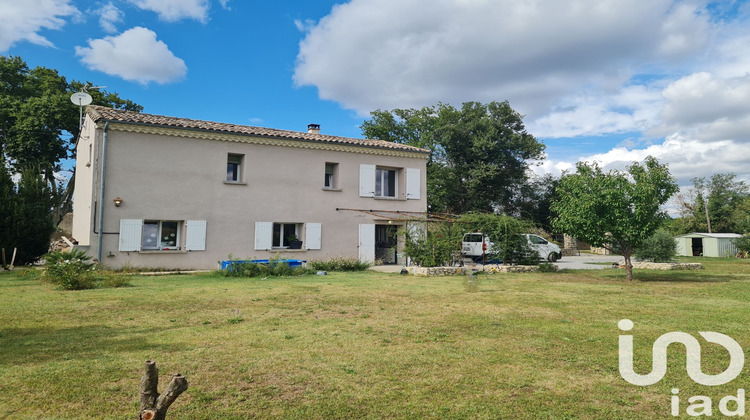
474	243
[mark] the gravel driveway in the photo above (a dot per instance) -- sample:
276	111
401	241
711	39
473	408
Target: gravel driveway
587	261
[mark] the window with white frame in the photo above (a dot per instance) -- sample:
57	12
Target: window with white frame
331	173
390	182
162	235
234	167
270	235
283	234
386	182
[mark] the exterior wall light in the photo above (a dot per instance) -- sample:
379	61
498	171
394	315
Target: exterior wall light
118	201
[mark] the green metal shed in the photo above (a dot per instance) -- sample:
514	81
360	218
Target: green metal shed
706	244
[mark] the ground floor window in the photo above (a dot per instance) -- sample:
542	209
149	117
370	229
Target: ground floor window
160	235
284	234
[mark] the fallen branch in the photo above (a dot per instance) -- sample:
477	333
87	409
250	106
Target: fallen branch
153	405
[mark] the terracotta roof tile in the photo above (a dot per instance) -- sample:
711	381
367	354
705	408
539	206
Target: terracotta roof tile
100	113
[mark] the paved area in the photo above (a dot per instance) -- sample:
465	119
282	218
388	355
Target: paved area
578	262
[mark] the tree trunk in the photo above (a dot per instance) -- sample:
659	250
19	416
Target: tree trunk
708	219
153	405
628	267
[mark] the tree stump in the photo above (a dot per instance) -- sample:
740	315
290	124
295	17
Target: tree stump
153	405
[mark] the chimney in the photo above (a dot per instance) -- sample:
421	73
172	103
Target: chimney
313	128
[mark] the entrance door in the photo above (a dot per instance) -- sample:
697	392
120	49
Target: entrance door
697	247
386	243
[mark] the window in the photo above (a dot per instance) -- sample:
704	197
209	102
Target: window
234	168
385	182
269	235
283	233
160	235
331	172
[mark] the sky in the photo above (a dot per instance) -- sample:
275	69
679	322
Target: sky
607	81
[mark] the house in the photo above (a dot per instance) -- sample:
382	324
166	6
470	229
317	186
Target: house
157	191
707	244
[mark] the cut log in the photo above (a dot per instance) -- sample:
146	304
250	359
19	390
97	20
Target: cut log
153	405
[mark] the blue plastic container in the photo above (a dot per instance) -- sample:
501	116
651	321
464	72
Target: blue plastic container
223	265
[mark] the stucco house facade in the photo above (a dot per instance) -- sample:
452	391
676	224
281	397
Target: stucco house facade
157	191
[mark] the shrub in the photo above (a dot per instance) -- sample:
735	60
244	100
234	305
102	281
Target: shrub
659	247
339	264
71	270
546	267
438	246
113	279
743	246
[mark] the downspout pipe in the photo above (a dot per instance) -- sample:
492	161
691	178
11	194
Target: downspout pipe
101	192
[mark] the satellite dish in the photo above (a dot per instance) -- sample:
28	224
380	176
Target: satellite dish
81	98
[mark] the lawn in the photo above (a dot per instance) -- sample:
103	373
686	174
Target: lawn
366	345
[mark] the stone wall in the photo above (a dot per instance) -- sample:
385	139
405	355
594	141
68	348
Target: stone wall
454	271
664	266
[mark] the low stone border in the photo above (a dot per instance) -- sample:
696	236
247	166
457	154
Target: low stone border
455	271
664	266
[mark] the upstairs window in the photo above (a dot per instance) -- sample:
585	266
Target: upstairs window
386	181
331	173
234	168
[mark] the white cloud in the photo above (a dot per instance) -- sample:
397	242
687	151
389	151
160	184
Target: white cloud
411	53
23	20
109	17
687	158
594	113
174	10
134	55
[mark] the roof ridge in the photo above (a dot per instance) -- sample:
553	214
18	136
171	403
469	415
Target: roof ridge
101	113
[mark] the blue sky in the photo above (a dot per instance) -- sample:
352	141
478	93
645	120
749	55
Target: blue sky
608	81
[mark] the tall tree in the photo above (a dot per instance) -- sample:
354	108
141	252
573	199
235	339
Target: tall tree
480	153
715	204
615	210
39	124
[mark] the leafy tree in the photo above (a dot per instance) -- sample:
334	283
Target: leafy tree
7	206
39	124
480	152
615	210
30	223
715	205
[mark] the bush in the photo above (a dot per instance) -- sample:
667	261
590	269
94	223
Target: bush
660	247
743	246
71	270
339	264
438	246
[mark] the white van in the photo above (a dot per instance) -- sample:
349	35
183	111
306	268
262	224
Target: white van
546	249
472	244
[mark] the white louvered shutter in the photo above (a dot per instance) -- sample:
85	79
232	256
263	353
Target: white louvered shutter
263	235
313	235
195	235
130	234
413	184
366	180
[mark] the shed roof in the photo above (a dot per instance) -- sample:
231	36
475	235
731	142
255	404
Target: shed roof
104	114
709	235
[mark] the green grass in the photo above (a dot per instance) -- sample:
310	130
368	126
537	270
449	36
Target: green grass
365	345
